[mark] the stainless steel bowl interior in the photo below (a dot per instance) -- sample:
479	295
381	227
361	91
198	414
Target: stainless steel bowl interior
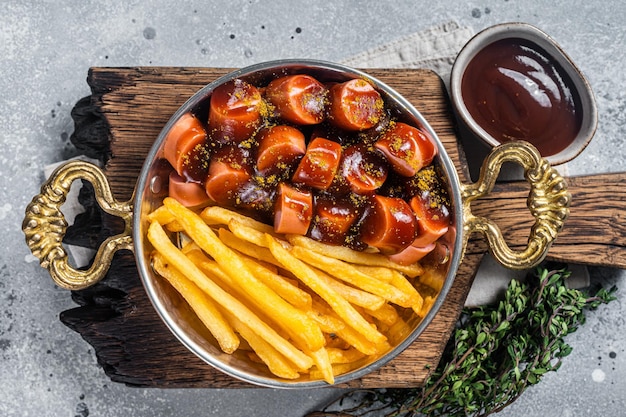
152	186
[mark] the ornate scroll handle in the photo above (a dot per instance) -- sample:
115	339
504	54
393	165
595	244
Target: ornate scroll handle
548	202
45	226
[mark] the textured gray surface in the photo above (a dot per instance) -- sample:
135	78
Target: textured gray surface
46	48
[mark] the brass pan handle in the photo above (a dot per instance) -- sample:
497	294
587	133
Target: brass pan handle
45	226
548	202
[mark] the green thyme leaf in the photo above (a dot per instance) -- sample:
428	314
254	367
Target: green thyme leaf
494	354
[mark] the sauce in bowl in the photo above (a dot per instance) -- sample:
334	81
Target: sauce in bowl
515	91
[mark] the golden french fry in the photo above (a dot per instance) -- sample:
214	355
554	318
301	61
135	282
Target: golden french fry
333	325
325	317
247	233
274	360
161	215
379	272
221	278
342	368
416	300
385	314
294	321
398	331
200	303
346	272
352	256
344	355
247	248
334	300
161	242
353	295
281	285
220	215
428	303
432	278
322	361
285	289
165	218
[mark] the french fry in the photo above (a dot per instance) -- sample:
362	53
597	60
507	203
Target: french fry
247	233
161	242
331	324
398	331
433	279
417	301
352	256
275	361
165	218
161	215
247	248
281	285
385	314
225	281
247	277
348	273
428	303
200	303
293	320
344	355
285	289
334	300
342	368
219	215
322	361
353	295
379	272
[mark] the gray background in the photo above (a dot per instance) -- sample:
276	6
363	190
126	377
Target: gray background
46	48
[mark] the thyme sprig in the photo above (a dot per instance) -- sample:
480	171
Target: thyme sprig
494	354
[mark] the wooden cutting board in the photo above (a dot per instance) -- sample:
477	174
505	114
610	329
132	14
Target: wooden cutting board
120	120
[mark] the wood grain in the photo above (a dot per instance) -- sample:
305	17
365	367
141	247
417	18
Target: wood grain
115	316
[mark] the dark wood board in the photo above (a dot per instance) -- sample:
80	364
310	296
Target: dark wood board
118	124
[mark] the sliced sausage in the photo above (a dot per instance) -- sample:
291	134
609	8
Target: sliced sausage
299	99
228	172
332	220
189	194
185	147
389	224
279	147
411	254
433	218
363	170
234	112
407	148
355	105
319	164
293	210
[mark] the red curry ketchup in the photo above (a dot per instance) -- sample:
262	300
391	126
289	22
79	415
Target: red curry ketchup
514	91
235	112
